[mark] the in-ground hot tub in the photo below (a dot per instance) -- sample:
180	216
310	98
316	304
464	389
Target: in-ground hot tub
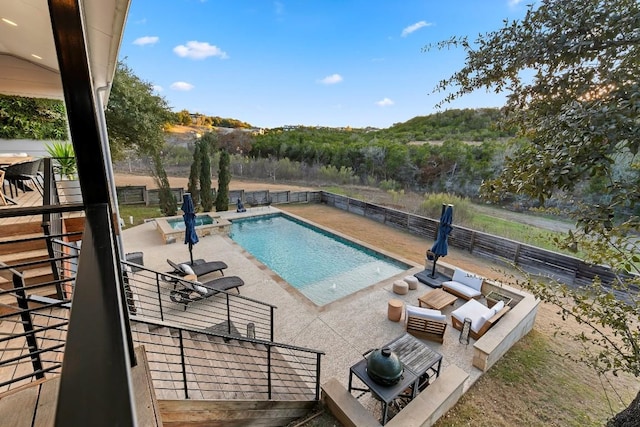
172	228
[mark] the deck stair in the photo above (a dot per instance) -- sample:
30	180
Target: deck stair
221	368
24	247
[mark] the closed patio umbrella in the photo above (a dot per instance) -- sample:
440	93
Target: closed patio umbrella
441	245
190	235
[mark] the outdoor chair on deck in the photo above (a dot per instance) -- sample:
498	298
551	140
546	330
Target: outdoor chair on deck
17	175
199	268
196	291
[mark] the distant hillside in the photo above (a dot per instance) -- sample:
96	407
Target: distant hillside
465	125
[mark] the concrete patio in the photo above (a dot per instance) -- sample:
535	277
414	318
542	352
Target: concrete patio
345	329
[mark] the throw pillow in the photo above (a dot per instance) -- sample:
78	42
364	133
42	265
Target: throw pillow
186	269
200	289
499	306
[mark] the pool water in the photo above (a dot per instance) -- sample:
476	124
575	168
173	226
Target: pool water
178	223
322	266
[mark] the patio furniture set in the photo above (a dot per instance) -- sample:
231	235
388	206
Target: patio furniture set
426	321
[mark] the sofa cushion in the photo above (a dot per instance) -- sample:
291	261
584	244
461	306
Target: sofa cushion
425	313
462	289
474	311
467	279
498	306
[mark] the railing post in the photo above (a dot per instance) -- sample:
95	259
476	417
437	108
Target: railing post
52	256
228	315
271	338
27	324
318	356
159	298
184	368
269	372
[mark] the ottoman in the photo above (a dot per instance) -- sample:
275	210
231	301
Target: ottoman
412	281
400	287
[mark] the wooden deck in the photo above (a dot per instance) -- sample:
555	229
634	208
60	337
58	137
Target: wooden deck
26	200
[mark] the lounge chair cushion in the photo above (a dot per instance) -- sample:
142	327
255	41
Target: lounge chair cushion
425	313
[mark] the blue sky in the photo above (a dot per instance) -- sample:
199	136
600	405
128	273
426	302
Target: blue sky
332	63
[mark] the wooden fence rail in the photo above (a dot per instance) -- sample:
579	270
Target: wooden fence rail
564	268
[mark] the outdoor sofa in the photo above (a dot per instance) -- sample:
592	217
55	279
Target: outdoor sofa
464	285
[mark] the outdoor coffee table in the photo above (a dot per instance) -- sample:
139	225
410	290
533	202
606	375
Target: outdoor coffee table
437	299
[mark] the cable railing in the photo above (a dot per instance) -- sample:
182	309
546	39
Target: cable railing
213	362
32	330
187	363
148	294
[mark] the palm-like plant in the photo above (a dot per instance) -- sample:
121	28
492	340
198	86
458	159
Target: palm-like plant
65	158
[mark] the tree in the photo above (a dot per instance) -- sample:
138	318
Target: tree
205	176
194	174
571	70
168	203
224	177
135	116
32	118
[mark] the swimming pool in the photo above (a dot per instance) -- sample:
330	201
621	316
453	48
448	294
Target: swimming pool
322	266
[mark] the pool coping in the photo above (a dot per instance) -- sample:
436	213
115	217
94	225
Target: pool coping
171	235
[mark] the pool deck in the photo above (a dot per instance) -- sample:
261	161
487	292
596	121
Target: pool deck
344	329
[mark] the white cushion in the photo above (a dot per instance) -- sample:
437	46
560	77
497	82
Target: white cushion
483	319
467	279
425	313
474	311
498	306
200	289
462	289
186	269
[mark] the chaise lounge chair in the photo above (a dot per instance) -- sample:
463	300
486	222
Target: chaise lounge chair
196	291
199	268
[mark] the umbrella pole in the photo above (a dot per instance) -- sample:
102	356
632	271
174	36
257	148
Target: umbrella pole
191	252
433	269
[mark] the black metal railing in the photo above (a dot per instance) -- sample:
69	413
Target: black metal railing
32	330
188	363
148	295
220	360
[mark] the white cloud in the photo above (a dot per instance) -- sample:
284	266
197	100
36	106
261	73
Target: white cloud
183	86
199	50
143	41
514	3
331	80
158	88
415	27
385	102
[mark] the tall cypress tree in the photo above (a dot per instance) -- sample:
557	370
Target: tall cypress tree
224	177
168	203
206	196
194	175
